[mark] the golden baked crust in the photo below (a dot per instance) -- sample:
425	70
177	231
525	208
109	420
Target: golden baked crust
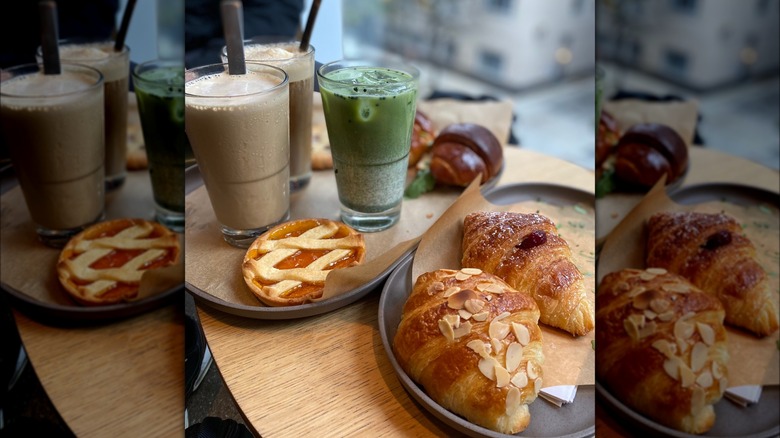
104	263
661	347
474	345
287	265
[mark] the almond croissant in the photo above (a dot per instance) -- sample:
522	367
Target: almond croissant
661	347
711	251
526	251
473	343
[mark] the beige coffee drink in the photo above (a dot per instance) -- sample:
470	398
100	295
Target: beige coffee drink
299	67
238	128
54	130
115	68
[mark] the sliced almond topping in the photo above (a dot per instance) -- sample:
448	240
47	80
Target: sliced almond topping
471	271
481	286
537	385
679	288
682	329
487	366
641	301
494	288
622	286
498	330
520	379
476	346
686	376
637	319
697	400
660	305
672	368
531	370
453	320
512	400
648	330
481	316
461	276
646	276
502	315
706	332
514	354
656	271
488	298
664	346
446	329
497	345
459	298
463	330
717	372
474	305
450	291
704	380
522	334
630	326
698	356
636	291
666	316
682	345
687	316
502	376
465	314
649	314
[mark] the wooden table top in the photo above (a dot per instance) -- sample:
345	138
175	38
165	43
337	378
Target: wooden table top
329	375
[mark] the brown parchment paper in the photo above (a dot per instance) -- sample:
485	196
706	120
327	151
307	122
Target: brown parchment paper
214	266
567	360
30	266
753	361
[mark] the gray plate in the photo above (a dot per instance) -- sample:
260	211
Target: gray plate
193	180
756	421
570	421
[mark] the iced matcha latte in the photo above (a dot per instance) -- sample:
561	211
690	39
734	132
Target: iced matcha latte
369	111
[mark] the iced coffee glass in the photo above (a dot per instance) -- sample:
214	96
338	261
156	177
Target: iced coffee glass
53	128
159	91
115	67
238	126
369	110
299	67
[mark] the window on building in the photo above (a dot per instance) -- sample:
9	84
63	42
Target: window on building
500	6
491	63
675	62
687	7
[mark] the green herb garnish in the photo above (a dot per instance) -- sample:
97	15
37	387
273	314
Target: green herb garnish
607	184
423	182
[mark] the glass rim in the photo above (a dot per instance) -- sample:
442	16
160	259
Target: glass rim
83	40
38	68
391	64
282	40
161	62
224	66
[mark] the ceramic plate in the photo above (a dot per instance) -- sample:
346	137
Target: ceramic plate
572	420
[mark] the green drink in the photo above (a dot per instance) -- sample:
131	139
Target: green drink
159	89
369	112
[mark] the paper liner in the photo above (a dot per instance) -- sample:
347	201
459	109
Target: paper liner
753	361
567	360
29	266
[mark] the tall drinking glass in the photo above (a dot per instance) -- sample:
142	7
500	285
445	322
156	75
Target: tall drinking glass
299	67
159	90
369	111
115	67
53	126
238	126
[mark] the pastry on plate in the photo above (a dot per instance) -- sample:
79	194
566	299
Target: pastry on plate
473	343
287	265
526	251
104	263
661	347
464	151
712	252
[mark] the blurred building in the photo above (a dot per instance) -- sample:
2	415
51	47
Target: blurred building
700	44
512	43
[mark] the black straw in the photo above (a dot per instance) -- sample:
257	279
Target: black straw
120	37
232	19
315	7
49	36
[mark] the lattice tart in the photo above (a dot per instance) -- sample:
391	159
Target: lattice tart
104	263
287	265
